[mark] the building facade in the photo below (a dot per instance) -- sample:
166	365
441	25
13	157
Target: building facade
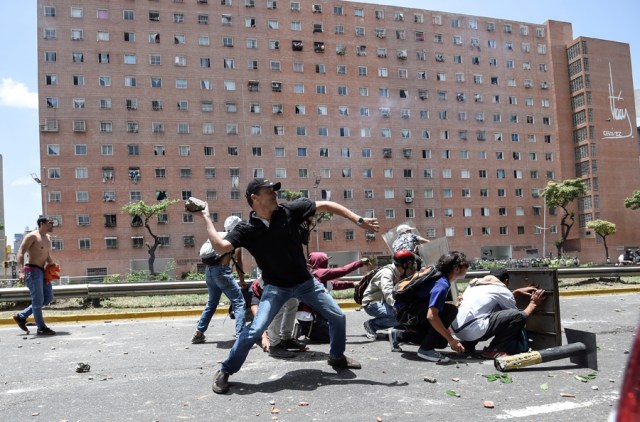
452	122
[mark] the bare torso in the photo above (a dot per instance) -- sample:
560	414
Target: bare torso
35	248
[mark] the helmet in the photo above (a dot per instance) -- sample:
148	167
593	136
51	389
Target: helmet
230	222
403	228
403	258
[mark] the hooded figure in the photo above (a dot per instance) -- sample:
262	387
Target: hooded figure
319	263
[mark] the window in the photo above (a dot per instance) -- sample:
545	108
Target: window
50	34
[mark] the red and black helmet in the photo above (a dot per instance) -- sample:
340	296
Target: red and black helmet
403	257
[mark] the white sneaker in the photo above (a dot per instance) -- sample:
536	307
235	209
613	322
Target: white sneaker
368	331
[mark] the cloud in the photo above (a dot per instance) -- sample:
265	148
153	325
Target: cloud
16	94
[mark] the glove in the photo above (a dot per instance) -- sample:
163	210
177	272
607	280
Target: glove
365	262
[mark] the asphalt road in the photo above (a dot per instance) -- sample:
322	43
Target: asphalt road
148	370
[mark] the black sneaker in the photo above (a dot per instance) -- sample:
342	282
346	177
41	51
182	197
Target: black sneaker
198	339
293	344
46	331
22	323
278	351
220	382
344	362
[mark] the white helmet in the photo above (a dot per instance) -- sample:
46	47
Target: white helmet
231	222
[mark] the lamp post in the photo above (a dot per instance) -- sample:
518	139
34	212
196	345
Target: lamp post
318	179
544	227
44	192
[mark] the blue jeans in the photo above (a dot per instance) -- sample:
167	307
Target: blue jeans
310	292
41	295
220	280
382	315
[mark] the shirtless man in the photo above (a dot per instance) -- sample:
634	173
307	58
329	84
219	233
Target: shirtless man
37	247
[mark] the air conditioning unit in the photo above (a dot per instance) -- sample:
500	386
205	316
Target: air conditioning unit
317	8
408	199
544	84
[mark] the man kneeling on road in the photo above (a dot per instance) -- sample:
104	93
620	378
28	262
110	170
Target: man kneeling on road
273	237
488	309
377	300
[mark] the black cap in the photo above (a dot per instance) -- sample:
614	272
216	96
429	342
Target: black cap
259	182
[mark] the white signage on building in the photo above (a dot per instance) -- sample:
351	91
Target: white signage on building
620	119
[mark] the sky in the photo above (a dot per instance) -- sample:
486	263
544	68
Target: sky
19	73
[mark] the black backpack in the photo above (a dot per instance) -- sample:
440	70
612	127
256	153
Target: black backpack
407	304
359	289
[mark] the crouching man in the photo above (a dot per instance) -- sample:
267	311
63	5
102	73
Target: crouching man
488	310
429	312
377	300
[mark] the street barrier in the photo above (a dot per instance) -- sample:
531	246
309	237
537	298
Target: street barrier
104	290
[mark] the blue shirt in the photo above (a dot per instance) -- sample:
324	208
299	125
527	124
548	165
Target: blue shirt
436	292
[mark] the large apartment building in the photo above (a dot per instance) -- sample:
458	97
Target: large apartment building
451	122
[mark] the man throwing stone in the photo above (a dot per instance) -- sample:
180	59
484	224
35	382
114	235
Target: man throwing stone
273	236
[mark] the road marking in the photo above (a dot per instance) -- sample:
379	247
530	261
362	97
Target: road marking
554	407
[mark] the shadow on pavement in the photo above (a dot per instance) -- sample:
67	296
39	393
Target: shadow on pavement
307	380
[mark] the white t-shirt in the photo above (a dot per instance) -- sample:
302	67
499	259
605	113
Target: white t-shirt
478	302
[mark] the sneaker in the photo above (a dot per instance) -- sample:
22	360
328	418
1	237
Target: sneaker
293	344
198	339
344	362
432	356
220	382
469	348
393	339
369	332
280	352
22	323
492	354
46	331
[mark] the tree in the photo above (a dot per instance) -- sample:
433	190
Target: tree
561	195
145	212
633	201
603	228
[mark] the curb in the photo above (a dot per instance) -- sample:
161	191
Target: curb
221	312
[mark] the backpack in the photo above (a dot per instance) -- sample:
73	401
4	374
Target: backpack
405	291
359	289
408	307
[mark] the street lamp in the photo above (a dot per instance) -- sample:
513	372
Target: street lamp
318	179
43	185
544	227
